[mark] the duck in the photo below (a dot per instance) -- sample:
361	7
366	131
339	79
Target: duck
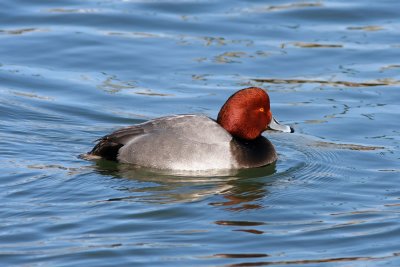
197	142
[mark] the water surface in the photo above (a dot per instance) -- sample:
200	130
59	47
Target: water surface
72	71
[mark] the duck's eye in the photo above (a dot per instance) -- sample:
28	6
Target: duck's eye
261	109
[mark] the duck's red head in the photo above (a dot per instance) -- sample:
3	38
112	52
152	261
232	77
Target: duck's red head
246	114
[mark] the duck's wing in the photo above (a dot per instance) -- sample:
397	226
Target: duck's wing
107	146
190	142
182	126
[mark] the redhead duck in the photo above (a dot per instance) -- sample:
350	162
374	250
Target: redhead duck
197	142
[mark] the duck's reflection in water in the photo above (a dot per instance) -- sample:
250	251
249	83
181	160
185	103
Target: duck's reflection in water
238	188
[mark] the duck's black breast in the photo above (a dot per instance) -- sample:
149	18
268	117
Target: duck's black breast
253	153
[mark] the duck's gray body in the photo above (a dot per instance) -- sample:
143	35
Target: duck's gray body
184	142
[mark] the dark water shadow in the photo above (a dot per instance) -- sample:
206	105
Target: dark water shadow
303	262
236	187
381	82
148	174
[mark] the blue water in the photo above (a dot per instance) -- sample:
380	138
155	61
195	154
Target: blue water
73	71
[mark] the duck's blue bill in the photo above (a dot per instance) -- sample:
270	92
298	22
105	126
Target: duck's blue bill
275	125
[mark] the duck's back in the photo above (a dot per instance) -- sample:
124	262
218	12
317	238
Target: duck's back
182	142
